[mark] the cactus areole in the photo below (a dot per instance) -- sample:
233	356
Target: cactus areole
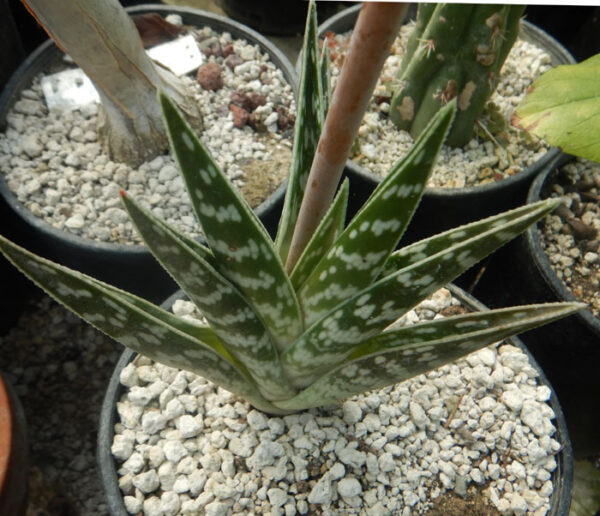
289	341
454	51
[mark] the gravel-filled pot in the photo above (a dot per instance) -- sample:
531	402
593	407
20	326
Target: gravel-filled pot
444	208
377	436
126	266
569	350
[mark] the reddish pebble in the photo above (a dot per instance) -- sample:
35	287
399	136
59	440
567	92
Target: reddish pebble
209	76
240	115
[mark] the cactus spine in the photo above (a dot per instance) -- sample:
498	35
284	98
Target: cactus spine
455	50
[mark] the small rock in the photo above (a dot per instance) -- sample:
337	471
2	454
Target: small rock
146	482
349	487
240	115
209	76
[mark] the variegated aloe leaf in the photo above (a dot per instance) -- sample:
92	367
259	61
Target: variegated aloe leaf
325	79
329	229
310	113
139	325
223	306
244	252
513	220
371	310
398	355
358	255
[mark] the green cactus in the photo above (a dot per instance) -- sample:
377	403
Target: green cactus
320	334
455	50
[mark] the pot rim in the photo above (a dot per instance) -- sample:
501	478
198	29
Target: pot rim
48	52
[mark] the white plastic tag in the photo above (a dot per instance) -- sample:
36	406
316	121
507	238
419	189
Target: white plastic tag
69	90
181	56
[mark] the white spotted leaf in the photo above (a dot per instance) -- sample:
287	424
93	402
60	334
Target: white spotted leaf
224	307
358	255
368	312
243	250
512	222
329	229
137	324
325	78
395	356
310	113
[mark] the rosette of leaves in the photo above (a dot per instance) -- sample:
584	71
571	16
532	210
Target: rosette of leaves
289	342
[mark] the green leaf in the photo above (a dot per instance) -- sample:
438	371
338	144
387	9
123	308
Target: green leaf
225	309
563	108
329	229
358	255
370	311
243	250
325	79
513	220
151	332
398	355
307	129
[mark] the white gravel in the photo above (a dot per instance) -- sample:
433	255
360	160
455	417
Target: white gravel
380	144
576	260
53	161
483	420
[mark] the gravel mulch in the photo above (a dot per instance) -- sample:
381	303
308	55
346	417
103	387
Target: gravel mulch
54	163
483	160
570	234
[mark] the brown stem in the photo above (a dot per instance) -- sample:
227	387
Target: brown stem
375	30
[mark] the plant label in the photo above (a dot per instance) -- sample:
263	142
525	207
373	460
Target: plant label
69	90
181	56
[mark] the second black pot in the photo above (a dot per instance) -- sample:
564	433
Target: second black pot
130	267
568	350
446	208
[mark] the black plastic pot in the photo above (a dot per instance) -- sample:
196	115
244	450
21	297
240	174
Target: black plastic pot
562	477
130	267
445	208
277	18
568	350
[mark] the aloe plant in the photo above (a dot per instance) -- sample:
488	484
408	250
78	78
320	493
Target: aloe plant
454	51
291	341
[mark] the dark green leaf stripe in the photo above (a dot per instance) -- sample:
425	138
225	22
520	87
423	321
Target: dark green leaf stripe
242	247
399	355
329	229
357	257
307	129
325	77
370	311
225	309
129	324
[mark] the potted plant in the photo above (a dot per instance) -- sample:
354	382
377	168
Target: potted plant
560	109
301	322
425	68
66	244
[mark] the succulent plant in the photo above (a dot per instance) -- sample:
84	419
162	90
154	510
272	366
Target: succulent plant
455	50
289	342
